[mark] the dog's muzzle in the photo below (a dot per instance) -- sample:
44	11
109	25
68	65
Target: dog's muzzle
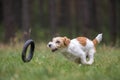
53	50
52	47
49	45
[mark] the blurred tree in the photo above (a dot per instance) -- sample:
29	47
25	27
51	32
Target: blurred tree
1	9
9	19
82	17
86	17
53	20
41	12
79	16
112	22
93	9
96	17
64	9
118	18
18	13
26	18
70	16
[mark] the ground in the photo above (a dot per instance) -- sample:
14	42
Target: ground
46	65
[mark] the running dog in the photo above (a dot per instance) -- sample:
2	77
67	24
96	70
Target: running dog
77	49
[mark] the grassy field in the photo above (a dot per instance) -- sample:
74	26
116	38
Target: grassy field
46	65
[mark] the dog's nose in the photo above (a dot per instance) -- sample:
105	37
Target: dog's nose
49	45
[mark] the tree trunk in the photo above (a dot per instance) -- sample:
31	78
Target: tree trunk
1	13
112	22
41	12
18	13
70	17
86	17
94	24
53	20
79	16
9	20
96	15
26	18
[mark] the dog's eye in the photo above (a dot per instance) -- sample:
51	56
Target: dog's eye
58	42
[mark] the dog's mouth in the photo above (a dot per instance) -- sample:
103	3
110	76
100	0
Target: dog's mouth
53	50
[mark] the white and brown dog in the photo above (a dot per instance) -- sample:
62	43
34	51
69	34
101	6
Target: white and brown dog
77	49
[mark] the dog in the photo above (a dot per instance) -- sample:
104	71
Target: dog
77	49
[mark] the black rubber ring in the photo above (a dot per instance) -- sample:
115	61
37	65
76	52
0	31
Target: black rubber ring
30	55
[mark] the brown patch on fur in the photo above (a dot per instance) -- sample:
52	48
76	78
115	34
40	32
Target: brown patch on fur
82	40
95	42
66	41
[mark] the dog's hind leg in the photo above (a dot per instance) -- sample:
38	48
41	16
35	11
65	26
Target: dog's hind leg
83	59
91	56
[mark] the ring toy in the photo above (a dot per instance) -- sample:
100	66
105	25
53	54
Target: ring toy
30	54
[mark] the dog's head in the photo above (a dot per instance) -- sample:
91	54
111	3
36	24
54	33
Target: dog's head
58	43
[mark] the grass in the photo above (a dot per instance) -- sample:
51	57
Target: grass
46	65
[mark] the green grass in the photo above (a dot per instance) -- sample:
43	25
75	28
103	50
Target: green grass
46	65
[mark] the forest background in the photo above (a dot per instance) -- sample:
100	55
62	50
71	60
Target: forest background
43	19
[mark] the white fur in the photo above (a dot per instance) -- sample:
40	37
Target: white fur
75	50
79	51
99	37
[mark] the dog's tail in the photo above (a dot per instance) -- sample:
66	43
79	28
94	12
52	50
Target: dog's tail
98	39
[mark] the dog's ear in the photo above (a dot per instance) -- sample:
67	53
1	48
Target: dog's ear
66	41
